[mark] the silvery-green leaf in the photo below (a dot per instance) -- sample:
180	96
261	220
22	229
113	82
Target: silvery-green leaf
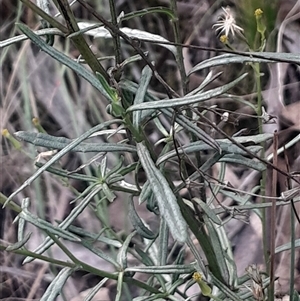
140	94
62	58
164	195
56	285
253	57
225	59
138	224
227	147
101	32
187	100
48	141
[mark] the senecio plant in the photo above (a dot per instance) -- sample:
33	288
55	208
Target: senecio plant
189	221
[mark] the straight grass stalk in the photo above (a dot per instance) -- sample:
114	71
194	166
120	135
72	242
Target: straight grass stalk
257	75
179	55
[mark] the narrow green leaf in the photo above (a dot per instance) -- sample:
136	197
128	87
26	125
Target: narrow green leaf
239	159
102	32
208	211
226	59
193	128
256	139
67	174
22	37
110	196
150	10
165	197
287	246
138	224
211	161
180	258
131	87
163	245
60	154
200	146
207	80
42	224
21	222
113	94
95	237
217	247
93	291
252	57
225	289
145	193
145	257
164	269
122	255
48	141
119	286
188	100
140	94
100	253
296	296
65	60
48	242
56	285
19	244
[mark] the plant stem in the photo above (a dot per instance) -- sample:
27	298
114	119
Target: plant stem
273	221
116	38
79	40
117	31
256	68
179	56
293	237
45	16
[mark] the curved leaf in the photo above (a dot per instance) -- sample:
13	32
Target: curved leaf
55	287
247	57
140	94
197	146
164	195
138	224
45	140
225	59
101	32
187	100
65	60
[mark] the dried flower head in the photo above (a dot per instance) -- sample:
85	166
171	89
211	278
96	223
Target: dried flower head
227	23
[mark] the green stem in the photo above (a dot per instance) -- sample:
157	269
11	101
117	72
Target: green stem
79	40
45	16
116	38
179	55
256	68
84	267
293	238
292	268
117	31
12	205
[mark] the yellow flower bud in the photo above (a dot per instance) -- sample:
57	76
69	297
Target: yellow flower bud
261	27
224	39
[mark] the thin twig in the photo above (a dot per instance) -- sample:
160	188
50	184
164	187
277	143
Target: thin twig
223	50
171	93
273	219
79	40
116	38
179	55
252	155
